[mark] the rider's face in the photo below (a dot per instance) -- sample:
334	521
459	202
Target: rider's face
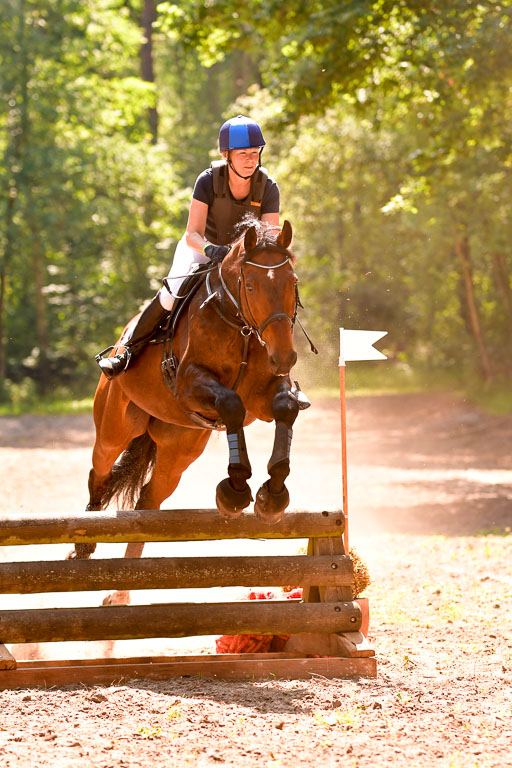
245	161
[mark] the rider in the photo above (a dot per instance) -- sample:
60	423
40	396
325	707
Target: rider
223	195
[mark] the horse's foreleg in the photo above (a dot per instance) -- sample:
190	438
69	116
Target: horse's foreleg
204	394
233	493
273	497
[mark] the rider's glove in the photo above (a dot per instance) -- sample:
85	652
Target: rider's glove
215	252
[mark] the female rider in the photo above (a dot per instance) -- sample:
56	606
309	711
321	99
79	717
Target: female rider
223	195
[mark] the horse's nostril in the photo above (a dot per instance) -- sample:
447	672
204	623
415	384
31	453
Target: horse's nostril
283	366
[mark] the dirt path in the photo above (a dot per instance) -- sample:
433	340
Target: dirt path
429	474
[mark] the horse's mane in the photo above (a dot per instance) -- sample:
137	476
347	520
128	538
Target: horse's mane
266	233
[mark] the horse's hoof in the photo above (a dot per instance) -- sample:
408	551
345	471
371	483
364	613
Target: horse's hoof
230	502
269	507
117	598
81	552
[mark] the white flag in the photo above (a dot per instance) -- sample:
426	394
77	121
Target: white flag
358	345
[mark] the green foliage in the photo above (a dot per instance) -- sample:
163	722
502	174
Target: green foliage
389	130
93	198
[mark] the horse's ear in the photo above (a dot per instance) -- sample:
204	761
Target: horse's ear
235	252
250	240
285	236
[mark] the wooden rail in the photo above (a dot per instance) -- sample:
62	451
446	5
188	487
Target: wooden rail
173	573
163	525
124	622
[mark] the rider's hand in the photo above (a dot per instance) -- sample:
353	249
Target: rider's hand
216	252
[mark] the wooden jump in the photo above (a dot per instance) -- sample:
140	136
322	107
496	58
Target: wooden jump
325	623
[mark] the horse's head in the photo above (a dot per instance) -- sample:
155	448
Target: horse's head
266	290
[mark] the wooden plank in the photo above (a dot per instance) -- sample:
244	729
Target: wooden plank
47	663
239	669
163	525
122	622
355	645
173	573
348	645
7	660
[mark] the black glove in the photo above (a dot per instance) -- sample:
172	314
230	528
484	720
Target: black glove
216	252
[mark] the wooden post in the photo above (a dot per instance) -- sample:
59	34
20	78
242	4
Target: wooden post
7	660
343	413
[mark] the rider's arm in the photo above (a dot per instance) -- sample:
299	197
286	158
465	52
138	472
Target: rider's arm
196	225
271	218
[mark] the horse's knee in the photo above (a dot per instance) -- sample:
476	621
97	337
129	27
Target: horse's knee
285	407
231	410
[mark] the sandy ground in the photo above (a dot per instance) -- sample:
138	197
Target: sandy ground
430	503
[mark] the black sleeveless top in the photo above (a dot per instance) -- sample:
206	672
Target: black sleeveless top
224	212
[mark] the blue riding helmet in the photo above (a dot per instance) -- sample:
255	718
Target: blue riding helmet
240	133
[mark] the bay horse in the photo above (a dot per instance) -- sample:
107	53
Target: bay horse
235	350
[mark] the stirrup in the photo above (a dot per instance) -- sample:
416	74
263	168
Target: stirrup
113	366
302	399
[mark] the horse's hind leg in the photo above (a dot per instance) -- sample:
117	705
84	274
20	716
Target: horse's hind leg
118	421
273	497
177	448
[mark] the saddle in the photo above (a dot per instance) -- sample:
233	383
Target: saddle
165	333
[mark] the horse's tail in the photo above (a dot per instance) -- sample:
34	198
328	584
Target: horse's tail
130	473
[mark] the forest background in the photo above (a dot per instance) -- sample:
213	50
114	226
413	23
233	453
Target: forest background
388	128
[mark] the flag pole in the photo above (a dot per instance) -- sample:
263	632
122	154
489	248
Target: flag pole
354	345
343	413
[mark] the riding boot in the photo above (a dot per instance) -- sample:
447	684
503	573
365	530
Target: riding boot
302	399
150	318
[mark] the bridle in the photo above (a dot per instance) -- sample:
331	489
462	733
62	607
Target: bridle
247	326
248	317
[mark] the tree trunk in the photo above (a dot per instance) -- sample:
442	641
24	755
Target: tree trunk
39	275
212	79
17	130
146	60
462	251
502	282
8	248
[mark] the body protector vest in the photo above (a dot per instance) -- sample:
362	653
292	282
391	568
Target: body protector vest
226	212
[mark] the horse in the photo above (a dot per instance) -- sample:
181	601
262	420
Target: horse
235	350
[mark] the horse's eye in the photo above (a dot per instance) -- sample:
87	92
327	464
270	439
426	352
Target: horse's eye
249	287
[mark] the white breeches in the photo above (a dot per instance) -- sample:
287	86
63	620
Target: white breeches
183	264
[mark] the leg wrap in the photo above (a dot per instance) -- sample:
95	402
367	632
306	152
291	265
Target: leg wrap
282	445
238	456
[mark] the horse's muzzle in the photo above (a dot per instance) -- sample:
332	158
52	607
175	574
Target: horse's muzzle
282	365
